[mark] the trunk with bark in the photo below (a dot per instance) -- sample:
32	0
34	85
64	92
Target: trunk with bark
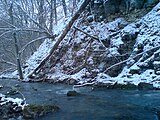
61	37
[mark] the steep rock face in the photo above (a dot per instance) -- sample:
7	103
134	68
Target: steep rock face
103	9
143	65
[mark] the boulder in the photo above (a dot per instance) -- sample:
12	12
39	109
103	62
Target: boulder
111	6
145	86
35	111
150	3
72	93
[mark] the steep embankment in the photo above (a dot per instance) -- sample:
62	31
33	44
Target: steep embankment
108	52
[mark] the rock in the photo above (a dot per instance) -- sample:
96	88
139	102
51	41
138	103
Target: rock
34	111
156	65
70	81
72	93
1	86
90	18
18	109
134	70
111	6
12	92
156	56
17	85
145	86
150	3
157	72
129	33
127	86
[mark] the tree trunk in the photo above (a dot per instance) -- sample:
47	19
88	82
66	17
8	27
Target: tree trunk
18	57
16	44
41	13
55	11
51	17
64	7
61	37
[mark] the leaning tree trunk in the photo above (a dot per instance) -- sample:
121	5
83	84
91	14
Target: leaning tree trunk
61	37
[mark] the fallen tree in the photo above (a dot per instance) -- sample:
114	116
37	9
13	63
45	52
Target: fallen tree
60	37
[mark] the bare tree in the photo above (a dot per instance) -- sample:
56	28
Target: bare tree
61	37
33	21
64	7
16	44
55	11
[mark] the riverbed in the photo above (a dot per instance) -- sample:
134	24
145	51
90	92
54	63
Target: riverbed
90	104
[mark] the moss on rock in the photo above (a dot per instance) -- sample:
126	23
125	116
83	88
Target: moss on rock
34	111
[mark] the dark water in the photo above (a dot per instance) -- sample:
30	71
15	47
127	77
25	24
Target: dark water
91	105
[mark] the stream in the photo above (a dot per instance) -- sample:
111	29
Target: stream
90	105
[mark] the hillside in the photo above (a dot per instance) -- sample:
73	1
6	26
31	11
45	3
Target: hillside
122	49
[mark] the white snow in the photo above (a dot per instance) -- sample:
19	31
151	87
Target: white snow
39	55
20	102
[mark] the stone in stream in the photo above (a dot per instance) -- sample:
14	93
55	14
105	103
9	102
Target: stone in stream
1	86
12	92
72	93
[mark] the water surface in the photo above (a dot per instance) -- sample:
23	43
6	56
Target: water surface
91	105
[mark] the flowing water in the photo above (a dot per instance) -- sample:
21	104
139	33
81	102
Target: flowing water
91	105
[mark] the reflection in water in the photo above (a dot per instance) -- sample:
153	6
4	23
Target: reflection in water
91	105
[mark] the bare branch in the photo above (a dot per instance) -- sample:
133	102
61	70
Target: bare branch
122	62
34	21
83	85
6	29
5	33
9	69
37	39
83	65
8	23
93	37
61	36
7	62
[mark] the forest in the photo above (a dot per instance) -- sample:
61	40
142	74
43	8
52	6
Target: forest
79	59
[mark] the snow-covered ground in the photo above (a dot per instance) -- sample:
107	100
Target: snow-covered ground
17	101
144	69
135	71
148	65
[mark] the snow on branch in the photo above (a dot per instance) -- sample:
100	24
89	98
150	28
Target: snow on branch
7	70
7	62
61	36
32	41
5	33
122	62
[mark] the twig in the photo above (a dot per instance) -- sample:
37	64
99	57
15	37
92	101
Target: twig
37	39
93	37
83	85
61	36
5	33
7	62
77	69
4	71
34	21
